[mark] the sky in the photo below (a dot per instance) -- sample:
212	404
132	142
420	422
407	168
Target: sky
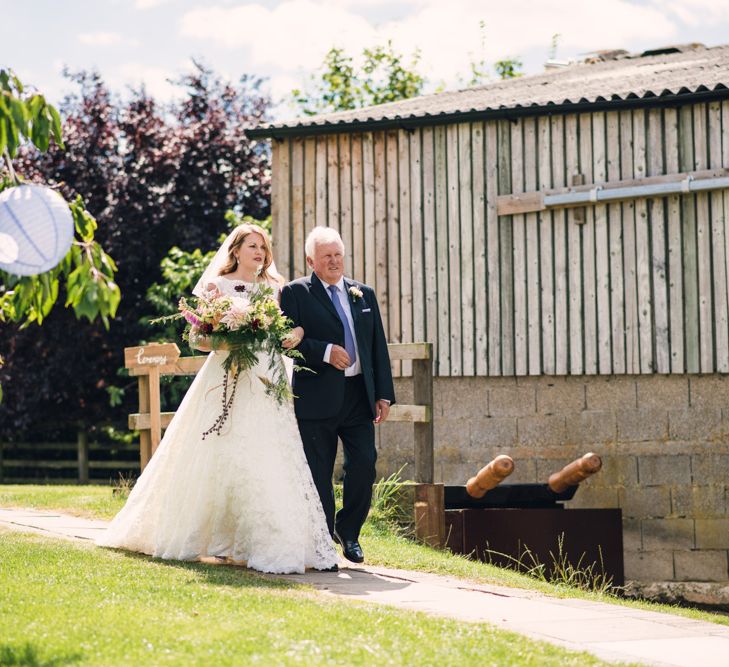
134	42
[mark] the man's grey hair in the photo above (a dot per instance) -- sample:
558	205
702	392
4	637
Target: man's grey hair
320	235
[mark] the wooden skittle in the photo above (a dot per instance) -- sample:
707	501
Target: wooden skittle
490	476
574	473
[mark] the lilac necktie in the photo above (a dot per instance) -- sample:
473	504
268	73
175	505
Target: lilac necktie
349	345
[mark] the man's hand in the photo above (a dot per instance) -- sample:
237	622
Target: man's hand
339	358
382	410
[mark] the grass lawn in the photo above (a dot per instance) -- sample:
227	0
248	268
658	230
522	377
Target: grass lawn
66	603
381	546
93	502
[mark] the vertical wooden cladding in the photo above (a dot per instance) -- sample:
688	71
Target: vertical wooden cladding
718	214
392	245
602	249
281	222
297	206
559	267
519	253
640	286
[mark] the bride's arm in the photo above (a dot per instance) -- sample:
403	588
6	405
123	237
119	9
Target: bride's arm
293	338
296	335
200	342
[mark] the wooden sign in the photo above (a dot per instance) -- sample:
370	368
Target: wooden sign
149	361
160	356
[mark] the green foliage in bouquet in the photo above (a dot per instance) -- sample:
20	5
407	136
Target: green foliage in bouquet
244	326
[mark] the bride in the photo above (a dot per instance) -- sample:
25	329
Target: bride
245	492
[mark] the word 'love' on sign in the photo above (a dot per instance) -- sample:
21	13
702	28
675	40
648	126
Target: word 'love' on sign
152	355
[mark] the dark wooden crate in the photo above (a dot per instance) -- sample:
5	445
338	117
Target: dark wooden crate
588	536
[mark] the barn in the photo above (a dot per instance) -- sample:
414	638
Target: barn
562	239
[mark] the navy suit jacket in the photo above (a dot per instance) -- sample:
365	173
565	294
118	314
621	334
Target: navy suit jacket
319	395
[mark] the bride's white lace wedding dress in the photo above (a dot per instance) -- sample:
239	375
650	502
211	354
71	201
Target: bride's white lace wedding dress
246	494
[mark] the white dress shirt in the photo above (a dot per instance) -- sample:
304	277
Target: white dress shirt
355	368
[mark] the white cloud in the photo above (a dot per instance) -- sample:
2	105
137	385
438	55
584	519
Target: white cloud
295	35
100	38
449	36
156	80
696	12
281	86
149	4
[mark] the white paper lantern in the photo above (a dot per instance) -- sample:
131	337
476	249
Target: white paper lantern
36	229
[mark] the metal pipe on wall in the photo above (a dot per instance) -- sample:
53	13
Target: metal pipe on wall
600	195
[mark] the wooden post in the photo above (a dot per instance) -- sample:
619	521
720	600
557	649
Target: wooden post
155	424
83	456
430	514
423	395
145	439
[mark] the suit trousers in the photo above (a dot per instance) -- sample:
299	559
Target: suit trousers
353	424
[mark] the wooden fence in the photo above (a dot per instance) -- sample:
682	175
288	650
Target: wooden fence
68	462
152	361
640	286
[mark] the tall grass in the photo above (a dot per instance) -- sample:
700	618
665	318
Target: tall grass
390	512
560	571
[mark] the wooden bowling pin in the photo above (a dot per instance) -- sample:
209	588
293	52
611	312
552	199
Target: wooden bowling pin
490	476
574	473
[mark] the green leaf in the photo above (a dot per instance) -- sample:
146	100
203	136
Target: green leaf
43	133
56	125
84	222
11	137
88	305
116	395
114	295
5	99
16	82
20	115
35	104
3	135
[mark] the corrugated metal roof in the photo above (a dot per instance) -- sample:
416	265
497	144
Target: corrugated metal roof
627	79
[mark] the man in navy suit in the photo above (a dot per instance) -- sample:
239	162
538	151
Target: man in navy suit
351	387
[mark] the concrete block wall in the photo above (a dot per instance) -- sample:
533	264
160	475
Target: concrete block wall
664	441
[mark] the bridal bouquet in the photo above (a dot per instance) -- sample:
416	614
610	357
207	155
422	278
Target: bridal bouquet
244	326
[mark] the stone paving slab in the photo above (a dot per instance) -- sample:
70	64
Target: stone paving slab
63	525
610	631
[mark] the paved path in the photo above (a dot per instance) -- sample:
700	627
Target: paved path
612	632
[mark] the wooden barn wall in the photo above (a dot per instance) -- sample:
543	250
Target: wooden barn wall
626	288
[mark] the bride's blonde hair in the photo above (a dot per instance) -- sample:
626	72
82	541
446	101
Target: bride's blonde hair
241	232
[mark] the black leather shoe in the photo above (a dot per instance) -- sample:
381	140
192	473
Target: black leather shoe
333	568
352	550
